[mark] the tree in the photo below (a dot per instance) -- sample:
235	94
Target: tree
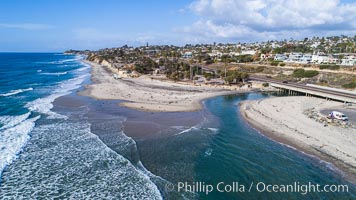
235	76
229	79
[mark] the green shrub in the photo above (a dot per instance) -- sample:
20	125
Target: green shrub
331	67
350	85
274	63
310	73
260	69
265	84
208	62
301	73
282	64
244	58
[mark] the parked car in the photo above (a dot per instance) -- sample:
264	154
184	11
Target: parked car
338	115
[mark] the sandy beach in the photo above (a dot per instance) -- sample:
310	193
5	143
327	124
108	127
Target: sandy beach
283	120
148	94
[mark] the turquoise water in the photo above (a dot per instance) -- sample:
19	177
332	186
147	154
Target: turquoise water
239	153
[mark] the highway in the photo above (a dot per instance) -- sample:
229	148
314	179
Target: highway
302	86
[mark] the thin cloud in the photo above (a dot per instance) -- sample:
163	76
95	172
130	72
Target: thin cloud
25	26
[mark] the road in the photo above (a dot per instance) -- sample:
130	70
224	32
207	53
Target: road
302	86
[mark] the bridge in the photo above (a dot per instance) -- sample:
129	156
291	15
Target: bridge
308	90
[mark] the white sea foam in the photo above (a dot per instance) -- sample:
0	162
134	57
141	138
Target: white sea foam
54	73
77	57
188	130
13	139
10	121
184	129
81	167
44	105
215	130
208	152
83	68
13	92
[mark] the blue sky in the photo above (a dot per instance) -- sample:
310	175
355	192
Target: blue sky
57	25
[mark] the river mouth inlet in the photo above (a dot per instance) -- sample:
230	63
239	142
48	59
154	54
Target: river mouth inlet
156	150
212	145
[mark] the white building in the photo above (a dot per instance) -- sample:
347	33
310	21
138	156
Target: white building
215	53
188	54
320	59
349	60
294	57
248	52
280	57
306	58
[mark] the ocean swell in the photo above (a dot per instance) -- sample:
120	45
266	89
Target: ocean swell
13	92
54	73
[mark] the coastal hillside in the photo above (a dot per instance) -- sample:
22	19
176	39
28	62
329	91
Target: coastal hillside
224	64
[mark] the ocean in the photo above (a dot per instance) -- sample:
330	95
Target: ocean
29	83
56	144
44	154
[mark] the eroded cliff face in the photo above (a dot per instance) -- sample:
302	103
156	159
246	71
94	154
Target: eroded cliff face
99	59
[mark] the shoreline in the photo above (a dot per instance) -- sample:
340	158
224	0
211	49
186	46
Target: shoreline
150	95
302	140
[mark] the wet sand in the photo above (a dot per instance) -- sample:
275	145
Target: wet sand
138	124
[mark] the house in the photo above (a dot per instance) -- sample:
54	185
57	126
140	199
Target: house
188	54
267	56
306	58
294	57
280	57
248	52
320	59
349	60
333	60
215	53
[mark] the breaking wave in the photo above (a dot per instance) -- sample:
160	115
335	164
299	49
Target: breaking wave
71	162
13	92
44	105
13	139
54	73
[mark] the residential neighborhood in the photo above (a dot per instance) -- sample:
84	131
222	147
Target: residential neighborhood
233	63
